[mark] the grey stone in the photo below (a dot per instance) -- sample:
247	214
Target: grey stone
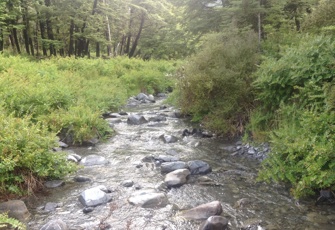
167	167
81	179
151	98
50	206
127	183
177	177
93	160
164	158
72	158
171	152
91	142
88	210
158	118
148	198
55	225
199	167
54	183
168	138
142	97
94	196
215	223
134	119
203	211
62	144
16	209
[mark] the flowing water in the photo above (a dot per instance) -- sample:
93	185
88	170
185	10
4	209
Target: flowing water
232	179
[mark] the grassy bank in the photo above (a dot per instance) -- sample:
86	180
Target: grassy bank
42	99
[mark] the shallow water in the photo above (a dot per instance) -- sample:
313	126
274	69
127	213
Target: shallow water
232	179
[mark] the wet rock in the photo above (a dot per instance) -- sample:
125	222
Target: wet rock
164	158
142	97
94	196
148	159
91	142
122	113
92	160
167	167
203	211
72	158
242	203
62	144
172	152
177	177
54	183
133	102
88	210
113	121
158	118
215	223
50	206
162	107
74	155
57	149
252	224
168	138
127	183
161	95
199	167
151	98
81	179
148	198
134	119
15	209
57	224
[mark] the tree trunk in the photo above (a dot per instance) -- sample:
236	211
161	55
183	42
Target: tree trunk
71	43
16	40
126	50
134	46
97	49
31	44
26	40
49	30
1	40
36	39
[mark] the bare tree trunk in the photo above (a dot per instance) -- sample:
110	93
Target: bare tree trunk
71	42
1	40
42	26
49	30
134	46
126	50
16	40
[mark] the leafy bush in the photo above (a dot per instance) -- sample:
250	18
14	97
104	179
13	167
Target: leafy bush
298	77
25	155
302	151
216	85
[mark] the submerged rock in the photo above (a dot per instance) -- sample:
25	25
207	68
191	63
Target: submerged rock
57	224
134	119
94	196
177	177
203	211
164	158
92	160
148	198
215	223
16	209
54	183
199	167
167	167
168	138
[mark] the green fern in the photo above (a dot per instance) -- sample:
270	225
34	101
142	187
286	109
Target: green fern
6	221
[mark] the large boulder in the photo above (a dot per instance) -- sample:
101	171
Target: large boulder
215	223
15	209
55	225
94	196
91	160
168	138
148	198
177	177
134	119
203	211
199	167
167	167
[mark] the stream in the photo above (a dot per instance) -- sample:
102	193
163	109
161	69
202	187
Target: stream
232	182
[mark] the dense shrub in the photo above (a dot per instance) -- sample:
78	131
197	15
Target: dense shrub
25	155
297	98
216	85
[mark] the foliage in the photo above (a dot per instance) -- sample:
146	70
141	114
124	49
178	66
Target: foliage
26	157
216	86
311	65
7	222
302	151
64	97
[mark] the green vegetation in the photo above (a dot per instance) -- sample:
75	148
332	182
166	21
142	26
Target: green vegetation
259	68
63	97
10	223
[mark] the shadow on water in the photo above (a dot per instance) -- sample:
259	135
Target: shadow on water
232	182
